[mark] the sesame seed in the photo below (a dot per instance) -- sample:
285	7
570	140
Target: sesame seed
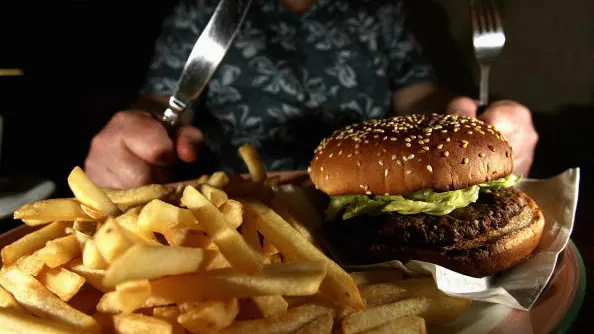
464	161
446	153
327	176
426	148
429	168
393	156
331	155
407	144
309	169
469	132
440	146
386	171
410	156
381	163
407	140
420	142
386	194
408	172
358	163
349	155
393	138
368	192
447	139
399	162
481	154
321	168
361	186
340	152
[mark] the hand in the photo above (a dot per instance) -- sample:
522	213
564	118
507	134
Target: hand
134	149
513	120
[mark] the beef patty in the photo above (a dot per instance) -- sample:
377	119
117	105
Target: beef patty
493	214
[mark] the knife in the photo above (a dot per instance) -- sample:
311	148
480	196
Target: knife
206	55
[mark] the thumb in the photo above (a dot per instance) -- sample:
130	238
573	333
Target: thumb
463	106
187	142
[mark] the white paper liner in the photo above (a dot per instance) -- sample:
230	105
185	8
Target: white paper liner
520	286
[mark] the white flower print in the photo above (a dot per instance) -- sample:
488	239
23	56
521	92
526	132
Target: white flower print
317	91
250	40
220	89
274	78
245	128
285	35
364	106
342	71
325	36
283	116
364	26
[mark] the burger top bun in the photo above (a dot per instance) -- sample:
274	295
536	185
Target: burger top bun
402	154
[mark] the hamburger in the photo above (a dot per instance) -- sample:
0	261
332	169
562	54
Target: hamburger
436	188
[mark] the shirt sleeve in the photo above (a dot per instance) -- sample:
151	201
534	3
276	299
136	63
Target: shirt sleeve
406	63
173	46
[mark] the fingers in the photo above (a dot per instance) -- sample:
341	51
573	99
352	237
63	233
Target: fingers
131	150
146	138
187	143
463	106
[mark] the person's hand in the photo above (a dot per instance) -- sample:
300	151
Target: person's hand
512	119
134	149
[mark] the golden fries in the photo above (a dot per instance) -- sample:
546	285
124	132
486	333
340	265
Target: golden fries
221	253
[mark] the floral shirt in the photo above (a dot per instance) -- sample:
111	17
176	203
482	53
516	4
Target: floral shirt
289	80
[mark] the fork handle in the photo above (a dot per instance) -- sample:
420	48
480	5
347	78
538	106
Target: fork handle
484	86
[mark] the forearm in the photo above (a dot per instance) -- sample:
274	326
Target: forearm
421	98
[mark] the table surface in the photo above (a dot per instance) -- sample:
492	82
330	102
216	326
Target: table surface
582	236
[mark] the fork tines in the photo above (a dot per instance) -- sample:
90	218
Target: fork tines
485	17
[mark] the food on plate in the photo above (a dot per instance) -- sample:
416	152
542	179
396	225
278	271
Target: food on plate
222	253
435	188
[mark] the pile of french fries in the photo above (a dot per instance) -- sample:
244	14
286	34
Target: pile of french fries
219	254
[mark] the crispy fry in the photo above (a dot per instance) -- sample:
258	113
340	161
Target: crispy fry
218	180
62	282
141	324
215	195
139	196
14	321
338	284
227	239
38	300
50	210
59	251
210	316
89	194
251	158
8	301
32	242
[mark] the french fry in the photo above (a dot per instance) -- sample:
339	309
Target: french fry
140	324
320	325
215	195
32	242
14	321
112	240
293	279
34	297
233	211
139	196
270	305
148	262
169	314
91	256
210	316
59	251
373	276
7	301
129	220
89	194
62	282
158	216
287	322
50	210
389	292
31	264
406	325
84	226
92	276
227	239
338	284
114	302
251	158
218	180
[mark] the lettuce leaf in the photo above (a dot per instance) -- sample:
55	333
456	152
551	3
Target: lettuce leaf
423	201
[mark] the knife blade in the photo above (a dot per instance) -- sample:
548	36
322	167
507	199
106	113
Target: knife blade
206	55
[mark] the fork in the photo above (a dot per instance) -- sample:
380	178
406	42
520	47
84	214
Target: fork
488	40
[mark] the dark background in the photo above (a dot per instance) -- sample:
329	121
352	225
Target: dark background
84	60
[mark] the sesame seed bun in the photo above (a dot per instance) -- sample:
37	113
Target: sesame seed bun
399	155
